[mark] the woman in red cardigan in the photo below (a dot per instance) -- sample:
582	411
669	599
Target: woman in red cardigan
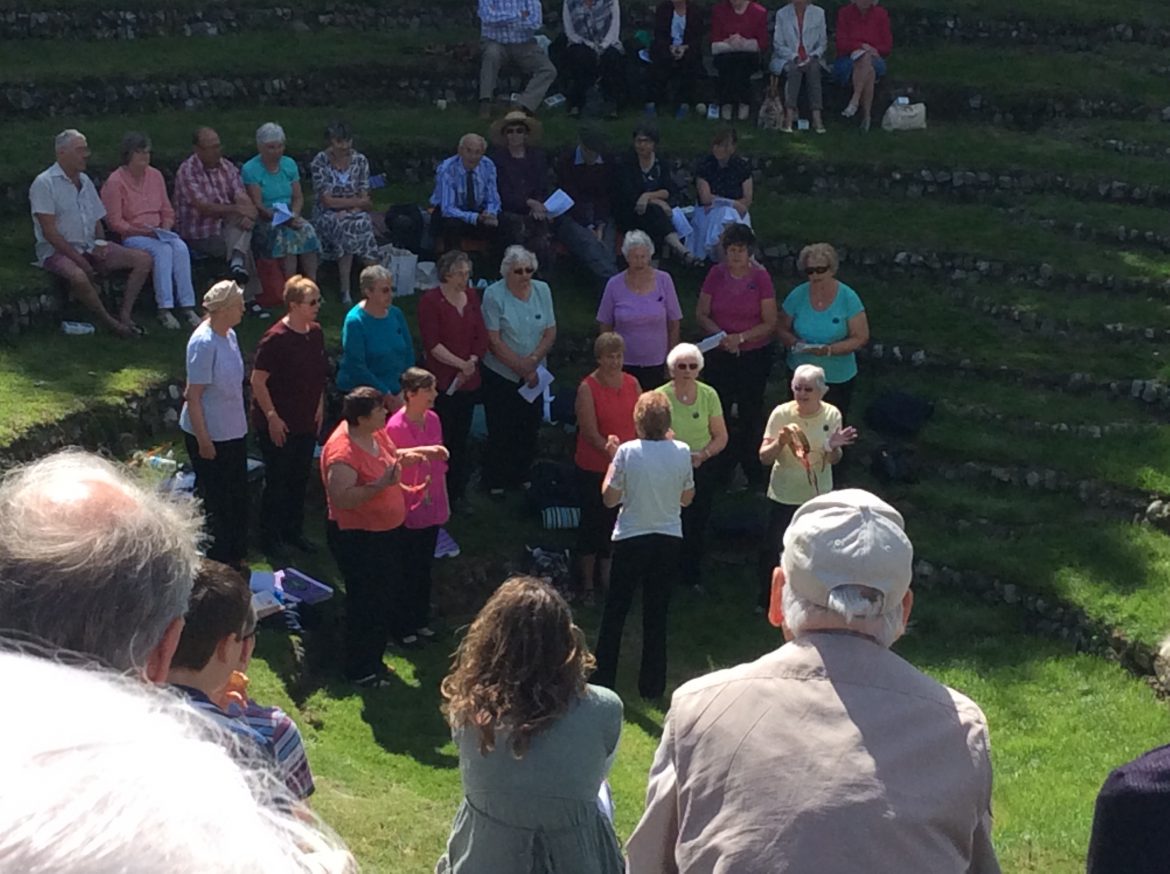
739	36
863	43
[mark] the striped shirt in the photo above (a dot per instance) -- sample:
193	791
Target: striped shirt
282	734
450	193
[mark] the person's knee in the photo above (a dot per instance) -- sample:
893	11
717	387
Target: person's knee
492	54
140	261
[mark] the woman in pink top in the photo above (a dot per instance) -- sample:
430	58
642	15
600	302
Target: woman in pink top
641	305
416	426
139	211
738	299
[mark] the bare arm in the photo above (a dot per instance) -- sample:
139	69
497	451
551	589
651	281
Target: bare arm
784	329
717	426
672	332
194	396
703	315
277	428
745	201
258	202
57	240
587	418
345	493
858	336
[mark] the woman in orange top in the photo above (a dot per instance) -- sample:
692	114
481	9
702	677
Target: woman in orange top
362	471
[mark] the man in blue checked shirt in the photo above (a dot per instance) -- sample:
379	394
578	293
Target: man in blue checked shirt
508	30
466	195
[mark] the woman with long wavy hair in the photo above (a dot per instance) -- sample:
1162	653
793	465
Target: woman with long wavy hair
536	741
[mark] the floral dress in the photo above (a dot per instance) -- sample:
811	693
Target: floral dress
342	231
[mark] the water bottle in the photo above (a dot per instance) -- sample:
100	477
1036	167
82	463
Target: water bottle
77	328
165	465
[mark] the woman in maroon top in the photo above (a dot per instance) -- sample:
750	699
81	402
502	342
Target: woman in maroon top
455	339
605	420
739	36
288	391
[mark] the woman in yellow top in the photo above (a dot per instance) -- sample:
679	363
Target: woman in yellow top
802	441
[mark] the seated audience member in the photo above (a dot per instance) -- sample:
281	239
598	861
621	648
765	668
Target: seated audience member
342	204
676	54
644	191
798	54
522	181
858	723
536	741
585	173
273	181
94	563
138	783
415	425
651	479
739	37
375	339
215	215
723	181
803	439
864	41
466	195
67	215
216	646
139	211
593	31
508	36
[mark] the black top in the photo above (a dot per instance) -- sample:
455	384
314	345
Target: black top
632	183
1129	824
693	34
724	181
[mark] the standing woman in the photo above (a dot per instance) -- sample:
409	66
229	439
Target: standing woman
521	328
802	442
415	426
138	209
535	741
454	340
739	36
823	322
273	181
341	211
605	420
645	191
375	339
641	305
697	418
723	181
652	479
738	298
288	397
215	425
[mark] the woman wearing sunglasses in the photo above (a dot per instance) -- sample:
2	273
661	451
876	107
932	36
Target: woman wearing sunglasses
823	322
288	393
521	328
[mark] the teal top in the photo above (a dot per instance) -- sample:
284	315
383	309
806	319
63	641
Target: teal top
539	814
374	352
520	322
274	187
824	326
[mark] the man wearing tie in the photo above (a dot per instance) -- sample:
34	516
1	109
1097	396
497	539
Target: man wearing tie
466	195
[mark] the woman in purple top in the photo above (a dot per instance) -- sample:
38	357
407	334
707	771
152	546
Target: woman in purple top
641	305
415	425
738	299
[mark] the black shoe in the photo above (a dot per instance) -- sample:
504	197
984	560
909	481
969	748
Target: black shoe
304	545
254	309
240	275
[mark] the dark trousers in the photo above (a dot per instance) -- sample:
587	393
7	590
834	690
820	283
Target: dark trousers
455	413
373	601
286	479
536	236
779	518
596	253
597	520
221	484
455	233
656	222
582	67
735	71
649	377
682	75
418	554
741	380
840	395
512	425
648	561
708	478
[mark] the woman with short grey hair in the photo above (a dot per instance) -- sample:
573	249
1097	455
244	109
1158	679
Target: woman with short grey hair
376	346
521	328
641	305
273	181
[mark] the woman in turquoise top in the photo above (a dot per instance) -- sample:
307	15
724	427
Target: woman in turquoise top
273	182
535	742
823	322
376	346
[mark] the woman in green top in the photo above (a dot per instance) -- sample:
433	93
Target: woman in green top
697	420
535	742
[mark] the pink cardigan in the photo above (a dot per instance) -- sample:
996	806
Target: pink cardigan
130	205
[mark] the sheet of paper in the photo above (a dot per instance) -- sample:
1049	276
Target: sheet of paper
543	380
682	225
280	214
164	234
708	343
807	348
454	386
558	203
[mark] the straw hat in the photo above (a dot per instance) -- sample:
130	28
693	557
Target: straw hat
516	116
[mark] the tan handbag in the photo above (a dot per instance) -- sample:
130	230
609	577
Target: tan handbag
905	116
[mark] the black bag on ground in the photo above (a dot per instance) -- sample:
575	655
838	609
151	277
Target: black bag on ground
894	464
404	226
898	414
554	484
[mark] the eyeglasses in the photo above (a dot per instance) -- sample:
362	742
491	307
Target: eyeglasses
315	302
687	365
523	271
515	130
817	271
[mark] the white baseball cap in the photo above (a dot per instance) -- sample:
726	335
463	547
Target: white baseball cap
847	537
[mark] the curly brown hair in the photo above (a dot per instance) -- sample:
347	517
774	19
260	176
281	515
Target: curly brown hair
519	667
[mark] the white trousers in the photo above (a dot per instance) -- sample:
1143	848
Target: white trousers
172	270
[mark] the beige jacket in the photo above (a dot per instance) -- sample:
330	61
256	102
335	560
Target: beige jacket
830	755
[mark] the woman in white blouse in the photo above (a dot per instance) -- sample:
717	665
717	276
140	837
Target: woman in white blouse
798	51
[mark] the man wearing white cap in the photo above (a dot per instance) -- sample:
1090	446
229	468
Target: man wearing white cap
830	754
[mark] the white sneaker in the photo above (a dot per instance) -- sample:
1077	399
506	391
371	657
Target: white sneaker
744	111
167	319
192	318
849	111
726	112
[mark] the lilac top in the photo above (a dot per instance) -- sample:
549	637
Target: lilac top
426	505
641	319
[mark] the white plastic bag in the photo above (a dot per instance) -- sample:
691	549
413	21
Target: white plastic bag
911	116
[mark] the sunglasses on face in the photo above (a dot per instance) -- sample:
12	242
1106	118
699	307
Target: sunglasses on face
516	130
523	271
816	271
313	302
687	365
